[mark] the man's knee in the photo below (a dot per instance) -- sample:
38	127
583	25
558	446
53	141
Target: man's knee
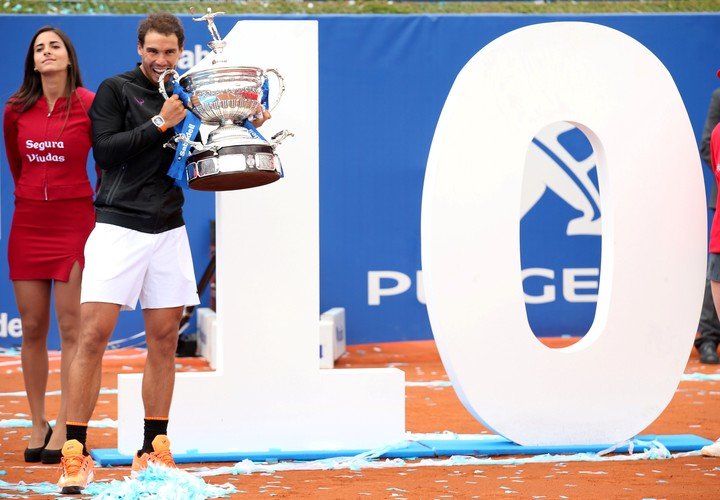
93	339
165	339
97	324
161	329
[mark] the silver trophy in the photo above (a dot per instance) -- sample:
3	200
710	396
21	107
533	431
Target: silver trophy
233	156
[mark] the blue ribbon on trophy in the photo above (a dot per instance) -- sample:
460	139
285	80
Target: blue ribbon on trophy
189	127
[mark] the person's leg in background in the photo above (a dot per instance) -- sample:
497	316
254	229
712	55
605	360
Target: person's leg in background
709	329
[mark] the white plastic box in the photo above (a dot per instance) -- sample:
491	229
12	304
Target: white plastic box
332	336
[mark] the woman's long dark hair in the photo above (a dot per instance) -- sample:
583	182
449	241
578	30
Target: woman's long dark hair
31	89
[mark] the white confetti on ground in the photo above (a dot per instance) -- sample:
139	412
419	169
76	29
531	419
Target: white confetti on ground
23	422
157	482
700	376
369	460
154	483
430	383
52	393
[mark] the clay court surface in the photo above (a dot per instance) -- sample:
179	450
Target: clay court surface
695	409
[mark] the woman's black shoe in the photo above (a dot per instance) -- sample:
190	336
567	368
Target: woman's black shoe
35	454
50	456
708	353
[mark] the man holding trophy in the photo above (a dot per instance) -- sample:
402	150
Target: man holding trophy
138	249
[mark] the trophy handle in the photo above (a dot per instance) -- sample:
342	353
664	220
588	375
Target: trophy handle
279	137
161	81
281	85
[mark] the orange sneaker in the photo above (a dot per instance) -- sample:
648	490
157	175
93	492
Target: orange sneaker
77	469
160	456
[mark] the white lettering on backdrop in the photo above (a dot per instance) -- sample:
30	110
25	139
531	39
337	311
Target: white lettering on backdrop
393	283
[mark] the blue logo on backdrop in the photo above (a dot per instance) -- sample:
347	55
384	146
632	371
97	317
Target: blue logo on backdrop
560	231
559	237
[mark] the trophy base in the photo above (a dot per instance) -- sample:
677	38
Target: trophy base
233	168
232	181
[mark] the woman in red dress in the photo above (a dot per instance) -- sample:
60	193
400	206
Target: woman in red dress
47	139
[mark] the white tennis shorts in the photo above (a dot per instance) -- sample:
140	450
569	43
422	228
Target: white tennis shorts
123	265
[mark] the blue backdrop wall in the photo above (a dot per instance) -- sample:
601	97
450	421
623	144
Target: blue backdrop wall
383	82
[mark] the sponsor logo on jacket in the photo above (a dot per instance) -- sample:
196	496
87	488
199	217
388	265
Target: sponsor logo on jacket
42	146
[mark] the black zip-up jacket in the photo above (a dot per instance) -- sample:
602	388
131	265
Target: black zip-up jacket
135	191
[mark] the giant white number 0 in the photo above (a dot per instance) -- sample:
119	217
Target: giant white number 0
623	373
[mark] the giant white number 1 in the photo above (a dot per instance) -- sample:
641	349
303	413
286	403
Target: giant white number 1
623	373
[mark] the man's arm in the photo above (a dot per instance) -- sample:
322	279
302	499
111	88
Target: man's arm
112	144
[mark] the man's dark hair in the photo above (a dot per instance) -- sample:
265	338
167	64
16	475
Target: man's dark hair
163	23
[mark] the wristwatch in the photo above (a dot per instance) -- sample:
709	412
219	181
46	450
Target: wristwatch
159	122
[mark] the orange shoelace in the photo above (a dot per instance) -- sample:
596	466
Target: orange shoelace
163	458
72	464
